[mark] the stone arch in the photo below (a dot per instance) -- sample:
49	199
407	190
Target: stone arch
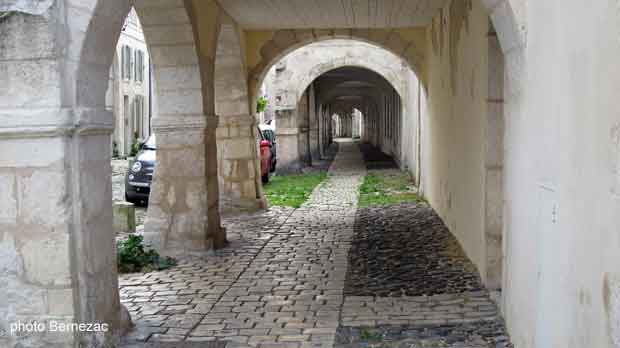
310	74
184	121
284	42
238	160
185	128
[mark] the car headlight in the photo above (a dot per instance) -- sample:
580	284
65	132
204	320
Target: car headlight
137	166
131	177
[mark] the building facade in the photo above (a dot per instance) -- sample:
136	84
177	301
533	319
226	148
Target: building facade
129	90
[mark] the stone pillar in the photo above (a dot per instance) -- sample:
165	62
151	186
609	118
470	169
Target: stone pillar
238	164
57	242
287	134
57	252
349	125
321	125
184	189
303	124
93	245
314	126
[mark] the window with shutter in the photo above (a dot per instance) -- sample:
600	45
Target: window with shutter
123	67
127	62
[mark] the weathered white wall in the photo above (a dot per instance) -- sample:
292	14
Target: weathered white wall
454	175
561	165
563	180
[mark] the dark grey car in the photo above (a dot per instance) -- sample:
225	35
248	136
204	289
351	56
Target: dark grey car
140	174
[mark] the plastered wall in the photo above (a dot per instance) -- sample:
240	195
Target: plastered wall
455	123
562	183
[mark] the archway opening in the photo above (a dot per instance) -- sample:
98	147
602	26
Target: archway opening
354	78
113	54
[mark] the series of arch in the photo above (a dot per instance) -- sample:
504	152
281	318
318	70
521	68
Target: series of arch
206	94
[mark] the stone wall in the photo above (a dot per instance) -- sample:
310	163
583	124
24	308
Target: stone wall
454	176
237	137
57	240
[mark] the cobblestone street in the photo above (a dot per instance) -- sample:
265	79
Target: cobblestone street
321	275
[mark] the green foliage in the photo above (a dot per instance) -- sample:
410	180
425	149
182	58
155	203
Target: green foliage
370	335
386	189
132	257
135	145
261	104
292	190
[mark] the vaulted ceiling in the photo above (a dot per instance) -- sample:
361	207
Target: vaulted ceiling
351	84
297	14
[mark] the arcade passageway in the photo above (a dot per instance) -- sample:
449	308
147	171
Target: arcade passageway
508	128
322	275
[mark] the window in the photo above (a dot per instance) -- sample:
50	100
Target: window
139	66
138	114
127	62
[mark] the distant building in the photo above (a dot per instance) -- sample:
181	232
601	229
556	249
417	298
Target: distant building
129	90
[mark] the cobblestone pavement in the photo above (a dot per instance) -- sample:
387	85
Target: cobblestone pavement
405	249
281	281
480	334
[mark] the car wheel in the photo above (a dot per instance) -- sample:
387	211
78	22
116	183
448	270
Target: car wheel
128	199
265	178
273	166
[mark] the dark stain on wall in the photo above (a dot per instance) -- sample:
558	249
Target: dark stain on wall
459	20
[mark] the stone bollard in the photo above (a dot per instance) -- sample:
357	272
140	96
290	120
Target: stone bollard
124	217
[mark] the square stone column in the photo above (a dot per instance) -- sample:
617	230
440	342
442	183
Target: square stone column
184	192
56	238
239	164
288	137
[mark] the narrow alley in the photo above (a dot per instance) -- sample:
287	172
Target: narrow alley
303	278
368	173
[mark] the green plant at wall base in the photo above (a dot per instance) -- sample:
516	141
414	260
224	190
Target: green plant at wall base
132	256
261	104
368	335
292	190
386	189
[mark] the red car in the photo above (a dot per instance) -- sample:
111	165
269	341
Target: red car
265	157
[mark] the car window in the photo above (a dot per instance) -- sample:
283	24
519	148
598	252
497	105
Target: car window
150	143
